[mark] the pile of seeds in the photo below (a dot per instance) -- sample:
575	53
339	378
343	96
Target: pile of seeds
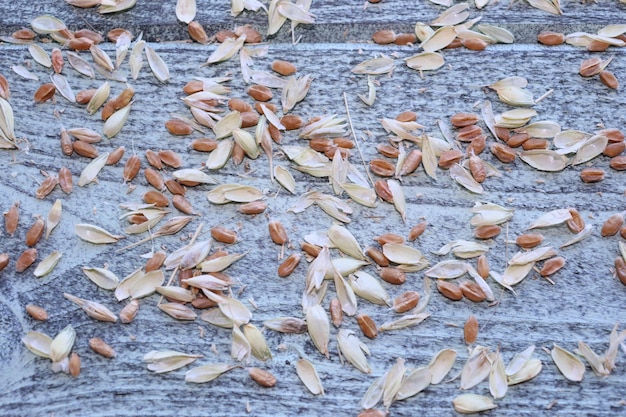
239	131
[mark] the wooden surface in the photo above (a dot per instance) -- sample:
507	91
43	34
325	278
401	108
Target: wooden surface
584	304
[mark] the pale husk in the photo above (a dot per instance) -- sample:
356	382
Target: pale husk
47	264
102	277
157	65
94	234
91	171
207	373
568	364
369	287
319	328
414	382
353	350
441	363
309	377
472	403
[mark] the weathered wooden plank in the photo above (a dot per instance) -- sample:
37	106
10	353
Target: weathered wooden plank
583	304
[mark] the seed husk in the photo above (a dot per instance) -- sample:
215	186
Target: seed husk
470	330
569	365
101	347
449	290
309	377
37	312
262	377
473	403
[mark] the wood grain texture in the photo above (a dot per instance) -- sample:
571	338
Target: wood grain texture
584	303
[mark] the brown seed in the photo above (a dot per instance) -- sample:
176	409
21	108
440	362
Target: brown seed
609	79
260	93
85	149
474	44
278	233
197	33
84	96
74	364
620	269
384	37
310	249
343	143
470	330
502	152
551	38
154	178
456	43
114	34
5	92
321	144
252	35
157	198
449	290
469	133
477	145
65	180
193	86
472	291
11	218
289	265
612	225
57	60
552	265
535	143
26	259
170	158
204	145
237	154
416	231
35	232
66	143
116	155
275	134
529	240
377	256
613	134
590	175
222	35
392	275
137	219
367	325
101	347
178	127
449	158
389	238
24	34
4	260
336	314
89	34
79	44
44	92
174	187
487	231
255	207
597	46
202	302
407	116
343	152
239	105
464	119
153	159
503	134
590	67
36	312
155	262
124	98
129	312
411	162
482	266
108	109
406	301
262	377
249	119
613	149
405	39
517	140
46	187
182	204
131	168
618	163
224	235
382	191
576	224
283	67
477	168
622	232
382	168
270	106
372	412
292	121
